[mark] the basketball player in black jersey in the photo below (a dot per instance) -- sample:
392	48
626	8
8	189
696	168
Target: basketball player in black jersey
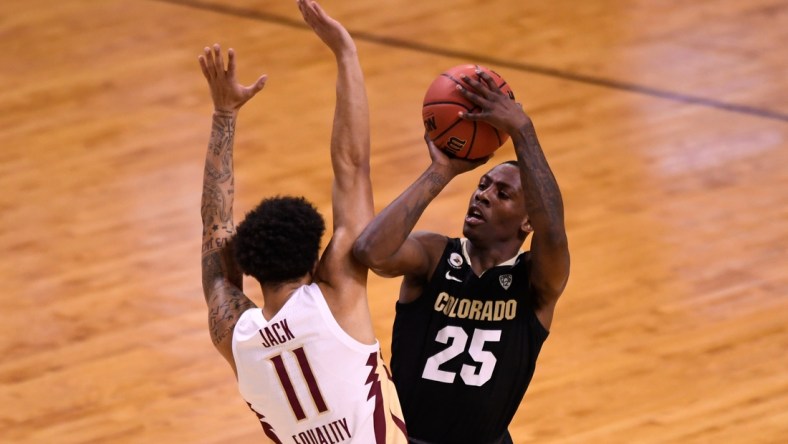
473	313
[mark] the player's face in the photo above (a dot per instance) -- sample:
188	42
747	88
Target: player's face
497	208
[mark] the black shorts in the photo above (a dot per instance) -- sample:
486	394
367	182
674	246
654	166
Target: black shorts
505	439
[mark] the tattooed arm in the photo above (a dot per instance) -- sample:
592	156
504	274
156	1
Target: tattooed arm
387	245
221	278
549	246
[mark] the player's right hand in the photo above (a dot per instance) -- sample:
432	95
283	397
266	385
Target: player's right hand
455	165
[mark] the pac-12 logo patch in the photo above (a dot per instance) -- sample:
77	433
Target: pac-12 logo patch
505	280
455	260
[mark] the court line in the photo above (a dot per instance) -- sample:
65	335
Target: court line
493	61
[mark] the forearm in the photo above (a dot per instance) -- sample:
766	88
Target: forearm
542	195
217	201
352	191
350	132
549	246
388	230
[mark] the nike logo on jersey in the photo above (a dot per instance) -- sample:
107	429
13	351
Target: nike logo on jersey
452	278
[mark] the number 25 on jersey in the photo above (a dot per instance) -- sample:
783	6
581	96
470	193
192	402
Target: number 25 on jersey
470	374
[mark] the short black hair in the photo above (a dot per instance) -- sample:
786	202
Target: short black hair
279	240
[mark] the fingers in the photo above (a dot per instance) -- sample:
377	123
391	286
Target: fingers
204	64
485	89
471	96
218	62
315	16
259	84
318	10
308	11
302	8
487	79
211	62
231	63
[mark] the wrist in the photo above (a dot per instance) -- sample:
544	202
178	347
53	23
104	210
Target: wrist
437	177
443	170
522	129
222	112
348	52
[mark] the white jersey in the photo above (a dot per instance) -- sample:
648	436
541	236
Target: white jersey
309	382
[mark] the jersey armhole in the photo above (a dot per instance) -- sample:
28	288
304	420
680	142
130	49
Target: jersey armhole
246	318
334	327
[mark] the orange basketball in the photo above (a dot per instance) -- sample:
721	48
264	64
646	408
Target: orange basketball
456	136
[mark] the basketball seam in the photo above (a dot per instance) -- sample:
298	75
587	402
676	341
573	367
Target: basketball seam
450	77
447	103
455	123
473	140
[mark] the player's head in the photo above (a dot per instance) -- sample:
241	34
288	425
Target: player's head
279	241
497	212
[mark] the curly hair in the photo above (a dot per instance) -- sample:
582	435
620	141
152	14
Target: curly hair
279	240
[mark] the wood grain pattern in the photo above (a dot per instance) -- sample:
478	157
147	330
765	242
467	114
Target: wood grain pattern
666	124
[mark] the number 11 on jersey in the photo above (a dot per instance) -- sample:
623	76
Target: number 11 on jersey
287	384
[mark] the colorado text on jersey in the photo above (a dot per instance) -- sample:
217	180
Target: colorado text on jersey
475	309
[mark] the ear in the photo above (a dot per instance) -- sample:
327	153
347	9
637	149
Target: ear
526	226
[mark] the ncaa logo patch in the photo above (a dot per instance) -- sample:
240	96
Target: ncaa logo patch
505	280
455	260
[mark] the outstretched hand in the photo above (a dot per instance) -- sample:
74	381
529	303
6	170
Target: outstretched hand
228	95
330	31
497	108
455	165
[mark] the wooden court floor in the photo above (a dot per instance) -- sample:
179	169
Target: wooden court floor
666	124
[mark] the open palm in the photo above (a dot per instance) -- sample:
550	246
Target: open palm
227	94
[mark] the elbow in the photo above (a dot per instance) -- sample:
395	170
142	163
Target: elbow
364	253
554	238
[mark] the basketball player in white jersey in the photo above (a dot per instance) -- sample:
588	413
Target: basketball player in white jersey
307	363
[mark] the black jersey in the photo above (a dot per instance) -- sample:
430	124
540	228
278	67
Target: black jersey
464	352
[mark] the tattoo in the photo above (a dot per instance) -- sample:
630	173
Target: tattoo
226	303
221	278
435	183
539	184
214	203
222	132
218	181
223	315
212	269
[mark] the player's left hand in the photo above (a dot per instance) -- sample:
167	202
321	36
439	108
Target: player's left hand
228	95
497	108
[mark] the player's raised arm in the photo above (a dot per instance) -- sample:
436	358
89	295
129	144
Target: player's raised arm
549	246
350	138
221	278
387	245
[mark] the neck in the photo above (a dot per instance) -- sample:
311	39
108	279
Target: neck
276	295
483	257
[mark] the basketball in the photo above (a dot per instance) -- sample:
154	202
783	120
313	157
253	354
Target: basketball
454	135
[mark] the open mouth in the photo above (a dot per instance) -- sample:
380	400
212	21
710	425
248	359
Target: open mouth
474	216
